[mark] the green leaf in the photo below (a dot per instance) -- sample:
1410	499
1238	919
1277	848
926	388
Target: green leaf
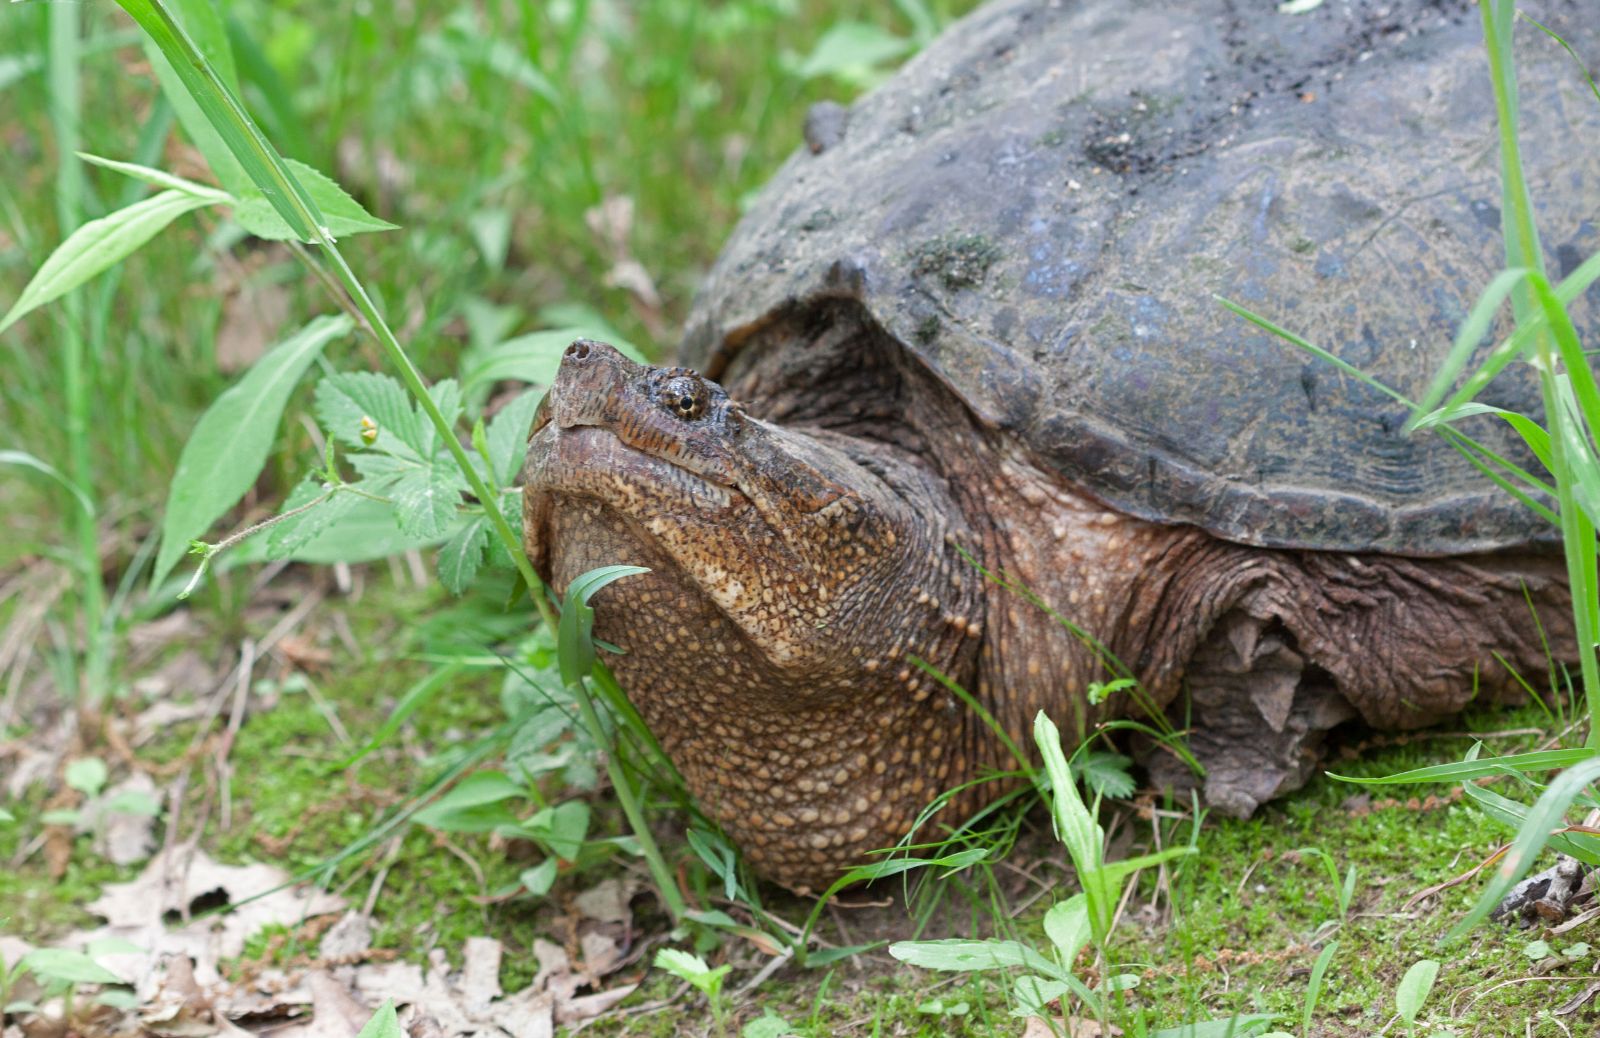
1033	993
67	966
476	804
507	436
87	775
117	998
462	555
342	215
134	802
539	879
288	536
231	441
99	244
6	817
343	400
1314	984
574	635
1076	828
208	84
1242	1025
560	828
1414	988
767	1025
384	1023
851	51
692	968
1067	926
366	532
1106	774
425	501
965	956
530	358
158	178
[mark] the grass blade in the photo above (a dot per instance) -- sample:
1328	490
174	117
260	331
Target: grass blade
1314	986
227	116
1544	816
1539	760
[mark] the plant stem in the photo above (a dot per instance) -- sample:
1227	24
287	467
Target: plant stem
1523	250
630	806
66	112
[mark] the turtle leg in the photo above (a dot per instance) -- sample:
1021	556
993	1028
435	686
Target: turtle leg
1258	712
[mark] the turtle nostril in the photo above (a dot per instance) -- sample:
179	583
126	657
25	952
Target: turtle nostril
578	351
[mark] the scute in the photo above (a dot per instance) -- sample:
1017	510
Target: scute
1043	206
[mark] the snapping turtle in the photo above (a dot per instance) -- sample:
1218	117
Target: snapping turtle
973	325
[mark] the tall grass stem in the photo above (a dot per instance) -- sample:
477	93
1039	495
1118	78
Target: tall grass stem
66	113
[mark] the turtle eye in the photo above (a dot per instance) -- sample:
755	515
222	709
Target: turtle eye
685	396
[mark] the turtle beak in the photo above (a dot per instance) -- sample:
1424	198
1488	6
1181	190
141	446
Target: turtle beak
541	414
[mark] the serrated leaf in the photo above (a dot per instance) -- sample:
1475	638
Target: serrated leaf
343	400
462	555
507	436
425	502
231	441
68	966
1107	774
289	536
341	214
97	245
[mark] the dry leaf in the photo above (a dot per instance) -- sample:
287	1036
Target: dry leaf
601	955
480	974
122	837
347	939
607	901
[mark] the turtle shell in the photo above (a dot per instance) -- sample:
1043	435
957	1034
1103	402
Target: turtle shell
1045	205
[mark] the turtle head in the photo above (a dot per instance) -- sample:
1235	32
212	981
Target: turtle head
794	542
793	577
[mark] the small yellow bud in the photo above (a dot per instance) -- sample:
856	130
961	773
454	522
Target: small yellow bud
369	430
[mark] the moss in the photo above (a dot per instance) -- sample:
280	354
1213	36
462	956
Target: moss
959	261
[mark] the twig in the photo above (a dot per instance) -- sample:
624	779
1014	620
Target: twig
241	692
